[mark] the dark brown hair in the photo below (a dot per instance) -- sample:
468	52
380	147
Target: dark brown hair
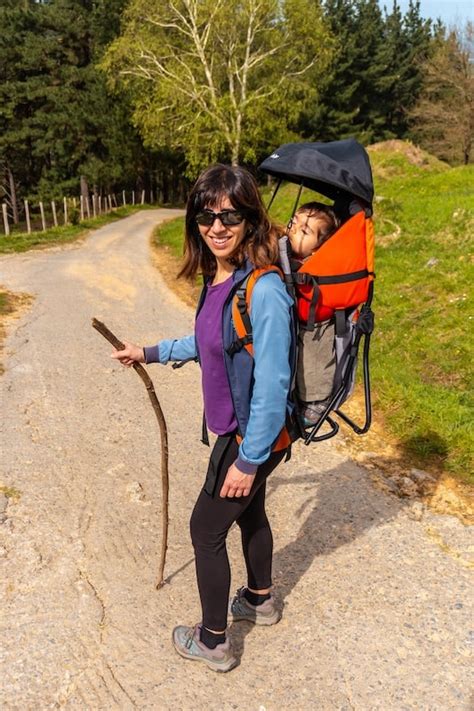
260	243
326	214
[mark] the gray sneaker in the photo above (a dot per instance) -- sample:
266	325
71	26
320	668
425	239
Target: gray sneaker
187	643
265	614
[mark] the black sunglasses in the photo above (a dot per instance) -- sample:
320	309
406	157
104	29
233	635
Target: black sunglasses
227	217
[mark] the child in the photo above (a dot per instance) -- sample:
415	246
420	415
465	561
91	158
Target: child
313	224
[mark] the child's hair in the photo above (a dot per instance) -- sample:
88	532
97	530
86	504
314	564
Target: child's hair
326	214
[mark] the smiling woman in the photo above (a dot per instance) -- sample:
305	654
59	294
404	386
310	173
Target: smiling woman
234	192
228	236
222	232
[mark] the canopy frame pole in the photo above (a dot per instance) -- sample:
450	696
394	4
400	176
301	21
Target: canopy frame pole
297	200
277	187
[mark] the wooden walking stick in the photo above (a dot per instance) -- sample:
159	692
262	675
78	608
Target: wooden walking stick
102	328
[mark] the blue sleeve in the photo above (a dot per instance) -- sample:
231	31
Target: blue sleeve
270	314
173	349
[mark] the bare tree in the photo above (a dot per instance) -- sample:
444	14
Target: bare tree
443	119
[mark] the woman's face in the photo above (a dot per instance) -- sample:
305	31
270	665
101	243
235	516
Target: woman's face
221	239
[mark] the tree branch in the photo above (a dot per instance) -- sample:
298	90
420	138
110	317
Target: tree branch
140	370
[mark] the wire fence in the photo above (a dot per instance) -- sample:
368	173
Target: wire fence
41	216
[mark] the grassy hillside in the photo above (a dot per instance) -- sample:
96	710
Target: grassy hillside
422	345
422	361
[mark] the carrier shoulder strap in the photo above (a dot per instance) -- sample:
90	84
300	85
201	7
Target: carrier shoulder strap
241	310
243	328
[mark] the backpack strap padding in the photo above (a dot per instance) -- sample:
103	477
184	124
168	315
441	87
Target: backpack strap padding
370	242
241	310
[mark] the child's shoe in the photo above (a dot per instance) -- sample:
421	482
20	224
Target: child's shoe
187	643
312	412
265	614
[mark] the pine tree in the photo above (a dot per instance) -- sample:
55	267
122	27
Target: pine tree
406	42
58	120
16	165
375	76
334	114
347	105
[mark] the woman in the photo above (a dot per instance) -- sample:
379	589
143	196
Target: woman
228	234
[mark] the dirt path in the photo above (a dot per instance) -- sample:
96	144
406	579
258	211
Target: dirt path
376	594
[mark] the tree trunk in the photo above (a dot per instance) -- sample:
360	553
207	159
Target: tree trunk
14	203
235	153
84	189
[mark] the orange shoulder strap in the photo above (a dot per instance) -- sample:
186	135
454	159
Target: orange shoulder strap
241	306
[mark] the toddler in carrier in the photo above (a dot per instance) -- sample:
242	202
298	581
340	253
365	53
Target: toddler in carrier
313	224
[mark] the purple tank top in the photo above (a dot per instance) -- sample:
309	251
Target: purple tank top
218	406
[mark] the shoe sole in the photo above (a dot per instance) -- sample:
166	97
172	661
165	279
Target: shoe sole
271	620
215	666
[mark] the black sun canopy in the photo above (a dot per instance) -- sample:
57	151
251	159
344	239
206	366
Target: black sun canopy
335	169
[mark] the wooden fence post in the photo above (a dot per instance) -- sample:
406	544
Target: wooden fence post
65	210
27	215
94	206
55	217
143	197
110	203
114	198
124	199
5	219
81	200
88	208
151	197
43	221
74	202
133	197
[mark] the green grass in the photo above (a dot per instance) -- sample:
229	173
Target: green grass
422	361
22	241
171	234
422	345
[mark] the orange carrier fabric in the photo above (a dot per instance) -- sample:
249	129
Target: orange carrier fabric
350	249
283	442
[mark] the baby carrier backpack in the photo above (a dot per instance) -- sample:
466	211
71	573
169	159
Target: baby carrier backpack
333	289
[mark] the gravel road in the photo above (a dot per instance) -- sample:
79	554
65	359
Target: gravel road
376	596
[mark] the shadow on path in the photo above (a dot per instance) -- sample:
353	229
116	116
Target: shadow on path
341	505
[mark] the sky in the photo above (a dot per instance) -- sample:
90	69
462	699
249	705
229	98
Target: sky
450	11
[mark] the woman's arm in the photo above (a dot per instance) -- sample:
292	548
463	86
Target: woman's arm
270	313
173	349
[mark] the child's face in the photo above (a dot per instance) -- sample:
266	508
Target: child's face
304	233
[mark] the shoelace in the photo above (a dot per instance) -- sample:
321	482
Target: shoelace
240	600
189	638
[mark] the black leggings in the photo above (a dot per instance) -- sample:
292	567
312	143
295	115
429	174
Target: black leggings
210	522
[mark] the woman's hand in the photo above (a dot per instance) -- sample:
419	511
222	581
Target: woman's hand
236	483
131	354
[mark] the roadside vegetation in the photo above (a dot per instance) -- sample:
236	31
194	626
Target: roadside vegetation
421	360
22	241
